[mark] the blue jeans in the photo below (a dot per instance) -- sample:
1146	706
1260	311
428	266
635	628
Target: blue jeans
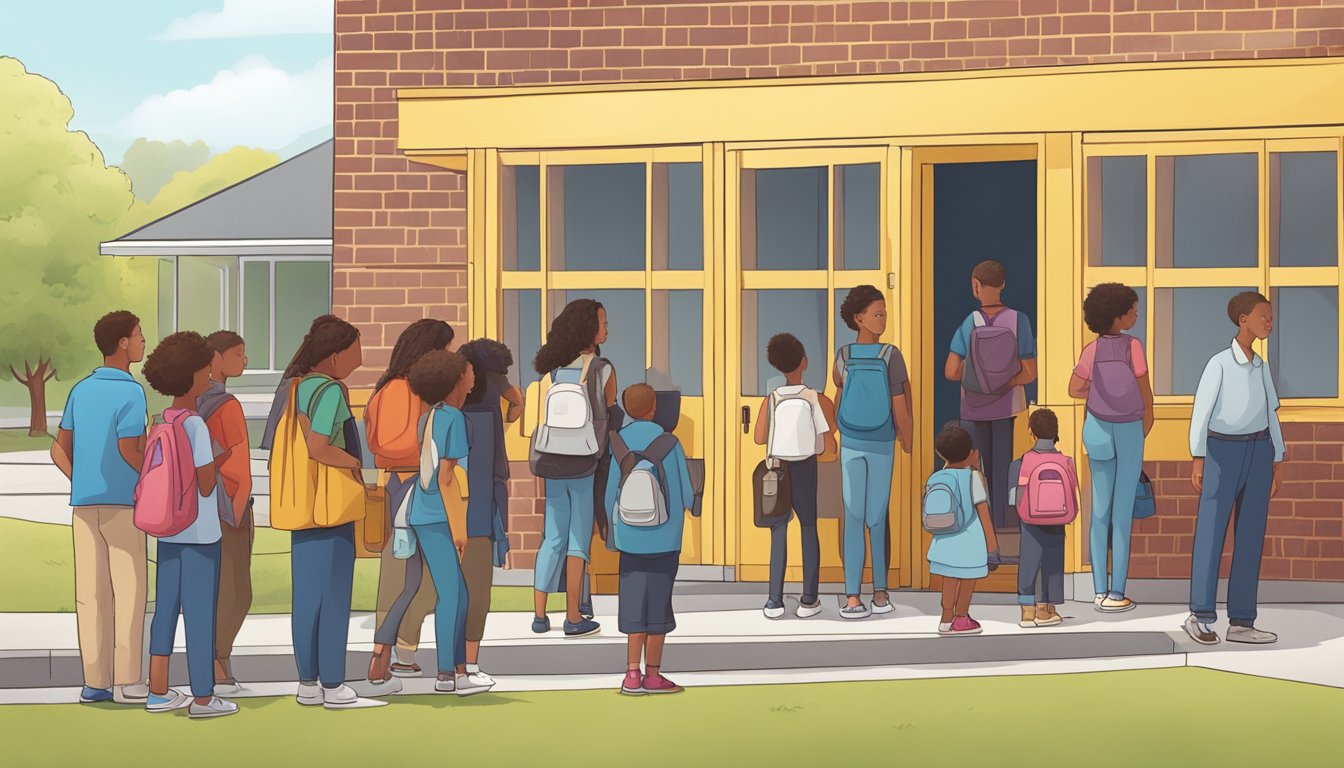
567	530
1115	456
866	490
450	611
187	583
322	561
1238	476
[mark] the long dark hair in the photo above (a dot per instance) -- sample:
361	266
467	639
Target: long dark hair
419	337
327	335
572	332
488	357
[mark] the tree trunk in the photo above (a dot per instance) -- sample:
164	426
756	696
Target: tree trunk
36	382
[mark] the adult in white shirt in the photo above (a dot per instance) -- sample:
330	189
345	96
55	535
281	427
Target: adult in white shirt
1235	436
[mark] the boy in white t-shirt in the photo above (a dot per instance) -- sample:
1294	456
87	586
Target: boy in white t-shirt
803	430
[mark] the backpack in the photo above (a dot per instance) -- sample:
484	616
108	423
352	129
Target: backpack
1145	503
1114	394
305	493
1048	488
992	361
772	493
390	423
793	432
641	496
167	496
572	437
945	509
865	404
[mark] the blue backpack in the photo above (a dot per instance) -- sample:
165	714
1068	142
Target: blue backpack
865	403
946	504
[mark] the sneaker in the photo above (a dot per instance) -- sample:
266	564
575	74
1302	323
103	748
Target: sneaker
344	697
773	609
216	708
468	685
445	684
881	608
584	628
310	694
478	672
806	611
135	693
541	625
633	684
174	699
400	669
232	690
1097	600
1110	604
945	628
375	688
1251	635
859	611
964	625
656	683
94	695
1028	620
1199	631
586	609
1046	616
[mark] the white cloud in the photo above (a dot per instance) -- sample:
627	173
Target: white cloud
255	18
252	103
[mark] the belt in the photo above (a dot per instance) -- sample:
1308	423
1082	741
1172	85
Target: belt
1262	434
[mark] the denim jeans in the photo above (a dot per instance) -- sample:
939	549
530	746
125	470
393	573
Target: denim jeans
450	612
187	583
567	530
866	490
803	476
1238	476
323	564
994	440
1115	456
1040	571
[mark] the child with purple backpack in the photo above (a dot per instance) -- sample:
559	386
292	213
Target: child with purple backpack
1045	498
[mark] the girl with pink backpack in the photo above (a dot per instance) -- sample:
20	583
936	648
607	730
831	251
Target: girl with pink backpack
1044	495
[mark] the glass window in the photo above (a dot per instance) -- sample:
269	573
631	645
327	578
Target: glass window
679	216
1304	350
597	217
1118	211
1200	329
256	314
857	198
522	217
678	342
167	296
784	218
1304	203
801	312
1208	211
203	294
306	290
625	328
522	333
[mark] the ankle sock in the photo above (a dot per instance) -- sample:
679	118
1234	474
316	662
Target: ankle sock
473	669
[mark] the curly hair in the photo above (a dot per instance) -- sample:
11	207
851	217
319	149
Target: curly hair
1044	424
419	337
112	328
953	443
327	335
434	376
223	341
486	356
1105	303
572	332
857	301
1243	304
785	352
173	364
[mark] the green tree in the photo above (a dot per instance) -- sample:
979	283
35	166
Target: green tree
186	187
151	164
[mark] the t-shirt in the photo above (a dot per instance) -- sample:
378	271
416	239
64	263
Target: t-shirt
106	406
206	528
1083	369
329	412
896	373
449	434
228	430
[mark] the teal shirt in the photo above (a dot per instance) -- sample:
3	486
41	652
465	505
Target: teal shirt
106	406
450	437
329	413
653	540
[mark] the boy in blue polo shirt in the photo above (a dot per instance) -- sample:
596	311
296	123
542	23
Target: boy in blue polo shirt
647	533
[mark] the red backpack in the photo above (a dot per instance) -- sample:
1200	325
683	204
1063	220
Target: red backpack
1047	488
167	497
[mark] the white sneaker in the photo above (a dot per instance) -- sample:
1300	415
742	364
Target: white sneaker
444	685
806	611
468	685
310	695
216	708
887	607
174	700
479	673
345	697
773	610
1239	634
376	688
136	693
859	611
232	690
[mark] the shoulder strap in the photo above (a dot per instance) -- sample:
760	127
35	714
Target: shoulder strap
428	451
618	447
212	404
885	353
597	393
979	318
661	447
317	395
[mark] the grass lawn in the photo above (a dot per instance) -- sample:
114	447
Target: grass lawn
37	571
1171	717
12	440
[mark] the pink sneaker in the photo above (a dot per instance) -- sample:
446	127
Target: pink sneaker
656	683
632	685
964	625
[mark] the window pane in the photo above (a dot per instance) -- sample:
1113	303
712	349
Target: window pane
857	196
1304	202
167	296
256	326
522	333
679	195
1117	211
625	328
1208	212
302	293
522	218
201	294
784	218
1304	350
800	312
1195	328
597	217
678	342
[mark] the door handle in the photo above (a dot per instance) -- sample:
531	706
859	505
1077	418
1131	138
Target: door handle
746	419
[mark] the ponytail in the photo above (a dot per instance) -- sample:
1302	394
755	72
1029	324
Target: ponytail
327	335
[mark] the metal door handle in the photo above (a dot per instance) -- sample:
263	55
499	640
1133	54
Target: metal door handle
746	419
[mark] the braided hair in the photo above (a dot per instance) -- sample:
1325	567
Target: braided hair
420	337
327	335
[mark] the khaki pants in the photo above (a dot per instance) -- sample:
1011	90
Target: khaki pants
478	568
391	582
111	579
235	584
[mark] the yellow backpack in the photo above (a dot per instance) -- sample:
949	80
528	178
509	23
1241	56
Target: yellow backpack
305	493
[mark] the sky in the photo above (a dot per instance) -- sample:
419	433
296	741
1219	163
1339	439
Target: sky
255	73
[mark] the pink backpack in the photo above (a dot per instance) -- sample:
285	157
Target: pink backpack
1047	488
167	497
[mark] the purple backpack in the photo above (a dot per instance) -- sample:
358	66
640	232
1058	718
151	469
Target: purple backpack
1114	394
993	360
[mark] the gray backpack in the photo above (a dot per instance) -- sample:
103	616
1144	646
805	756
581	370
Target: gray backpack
572	437
641	496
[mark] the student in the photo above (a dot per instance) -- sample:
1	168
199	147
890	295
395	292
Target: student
487	477
1235	435
570	357
188	572
1040	572
107	411
649	551
873	412
223	416
323	557
804	429
995	346
1112	376
438	512
405	591
961	557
